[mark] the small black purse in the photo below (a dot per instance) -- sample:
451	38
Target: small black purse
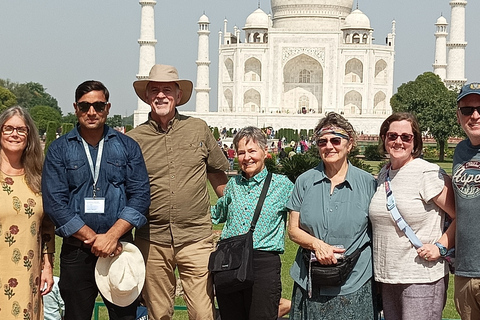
333	274
231	264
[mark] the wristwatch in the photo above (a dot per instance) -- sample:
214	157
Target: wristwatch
443	250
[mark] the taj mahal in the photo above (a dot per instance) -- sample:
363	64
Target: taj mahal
307	58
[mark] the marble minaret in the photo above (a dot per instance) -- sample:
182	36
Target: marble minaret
146	61
202	88
440	64
456	45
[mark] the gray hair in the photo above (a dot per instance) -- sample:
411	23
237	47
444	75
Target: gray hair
335	119
250	133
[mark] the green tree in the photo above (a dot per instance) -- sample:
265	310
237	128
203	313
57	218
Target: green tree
216	133
30	94
67	127
115	121
51	134
7	99
128	120
42	115
372	153
70	118
433	104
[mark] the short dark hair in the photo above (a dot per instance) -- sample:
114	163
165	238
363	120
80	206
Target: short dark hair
417	134
90	85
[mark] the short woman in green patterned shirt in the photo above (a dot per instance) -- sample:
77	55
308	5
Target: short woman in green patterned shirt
236	209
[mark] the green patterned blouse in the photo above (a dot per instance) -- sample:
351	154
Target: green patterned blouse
237	206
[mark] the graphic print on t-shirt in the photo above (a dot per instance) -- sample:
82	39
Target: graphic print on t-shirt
466	179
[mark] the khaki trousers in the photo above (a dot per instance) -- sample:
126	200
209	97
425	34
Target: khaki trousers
467	297
191	261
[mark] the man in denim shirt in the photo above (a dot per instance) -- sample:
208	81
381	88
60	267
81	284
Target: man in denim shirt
95	189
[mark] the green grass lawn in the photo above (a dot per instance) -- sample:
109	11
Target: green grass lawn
287	259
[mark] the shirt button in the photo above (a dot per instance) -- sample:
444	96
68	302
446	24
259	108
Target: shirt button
173	177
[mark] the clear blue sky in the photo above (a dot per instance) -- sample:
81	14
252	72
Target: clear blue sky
61	43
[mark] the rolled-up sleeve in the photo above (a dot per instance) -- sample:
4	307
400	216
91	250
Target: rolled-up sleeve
55	192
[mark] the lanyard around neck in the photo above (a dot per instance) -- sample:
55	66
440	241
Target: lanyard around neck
95	171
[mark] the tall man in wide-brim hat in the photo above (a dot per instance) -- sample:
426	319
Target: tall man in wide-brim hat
181	154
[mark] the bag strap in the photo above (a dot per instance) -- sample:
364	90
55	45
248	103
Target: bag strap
261	199
397	217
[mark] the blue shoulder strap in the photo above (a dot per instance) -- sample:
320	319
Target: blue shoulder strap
397	217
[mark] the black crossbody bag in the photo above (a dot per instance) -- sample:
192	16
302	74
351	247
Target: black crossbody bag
231	264
332	274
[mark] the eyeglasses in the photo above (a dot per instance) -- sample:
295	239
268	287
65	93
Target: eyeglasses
336	141
405	137
468	111
84	106
21	131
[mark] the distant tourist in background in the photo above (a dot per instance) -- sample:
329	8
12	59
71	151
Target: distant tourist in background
231	156
466	175
329	216
26	270
236	209
411	278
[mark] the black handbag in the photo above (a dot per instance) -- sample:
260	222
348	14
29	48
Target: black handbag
332	274
231	264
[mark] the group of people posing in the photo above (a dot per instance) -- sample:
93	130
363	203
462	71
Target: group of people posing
96	184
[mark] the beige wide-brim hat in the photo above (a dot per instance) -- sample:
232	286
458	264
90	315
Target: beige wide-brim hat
120	279
164	73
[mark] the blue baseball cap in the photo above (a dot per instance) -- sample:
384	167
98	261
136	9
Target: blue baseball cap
472	88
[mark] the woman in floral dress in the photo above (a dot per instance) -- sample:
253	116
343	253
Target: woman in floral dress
26	269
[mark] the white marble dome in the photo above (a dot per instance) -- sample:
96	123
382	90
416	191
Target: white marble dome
309	14
257	19
357	20
203	19
441	20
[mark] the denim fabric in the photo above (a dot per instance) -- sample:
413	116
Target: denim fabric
67	180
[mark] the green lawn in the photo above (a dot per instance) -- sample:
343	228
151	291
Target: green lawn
287	260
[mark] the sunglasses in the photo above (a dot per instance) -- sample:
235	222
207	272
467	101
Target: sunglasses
84	106
468	111
21	131
405	137
336	141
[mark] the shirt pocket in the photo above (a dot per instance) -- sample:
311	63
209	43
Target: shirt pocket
192	154
116	171
77	171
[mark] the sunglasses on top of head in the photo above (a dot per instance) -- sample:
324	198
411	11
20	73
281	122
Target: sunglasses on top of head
84	106
405	137
335	141
468	111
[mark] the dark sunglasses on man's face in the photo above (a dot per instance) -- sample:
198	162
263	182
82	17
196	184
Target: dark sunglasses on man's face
405	137
468	111
334	141
84	106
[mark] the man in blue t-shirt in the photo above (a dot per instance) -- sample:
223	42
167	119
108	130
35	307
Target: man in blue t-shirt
466	183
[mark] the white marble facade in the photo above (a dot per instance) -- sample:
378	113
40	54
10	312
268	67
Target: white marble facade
290	68
306	59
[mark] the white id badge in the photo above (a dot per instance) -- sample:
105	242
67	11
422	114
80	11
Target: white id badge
96	205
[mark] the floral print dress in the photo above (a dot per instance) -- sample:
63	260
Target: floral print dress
25	234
